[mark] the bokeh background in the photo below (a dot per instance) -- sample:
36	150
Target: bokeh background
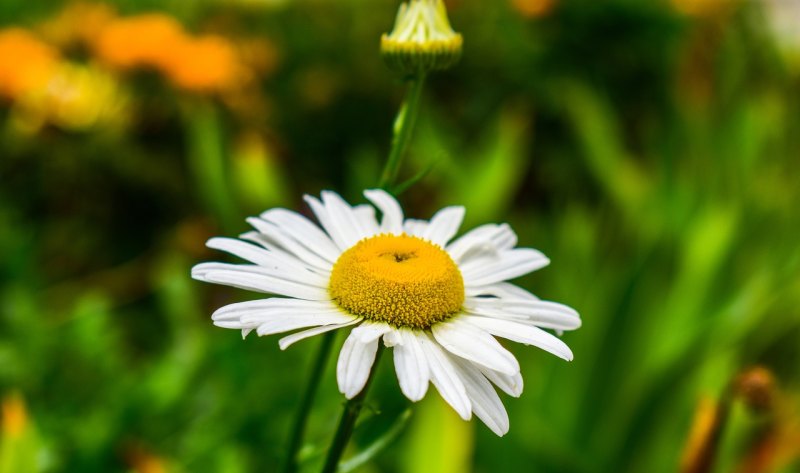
649	148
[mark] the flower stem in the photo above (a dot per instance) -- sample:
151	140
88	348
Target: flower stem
403	128
348	420
301	418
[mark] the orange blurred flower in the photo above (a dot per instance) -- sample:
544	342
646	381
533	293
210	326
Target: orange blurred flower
533	8
147	40
78	23
26	63
14	415
205	64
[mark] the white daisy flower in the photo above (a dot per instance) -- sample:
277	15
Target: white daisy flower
438	302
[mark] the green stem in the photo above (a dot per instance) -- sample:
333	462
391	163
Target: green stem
207	160
348	421
403	128
301	418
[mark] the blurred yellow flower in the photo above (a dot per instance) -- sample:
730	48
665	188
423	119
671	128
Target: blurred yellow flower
204	64
76	97
14	415
146	40
26	63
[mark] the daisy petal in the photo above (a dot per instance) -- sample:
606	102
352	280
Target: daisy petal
444	225
286	342
511	385
327	222
445	378
486	403
355	363
366	217
543	314
475	344
273	325
392	220
250	281
489	238
506	265
292	244
521	333
310	234
345	218
273	305
415	227
410	365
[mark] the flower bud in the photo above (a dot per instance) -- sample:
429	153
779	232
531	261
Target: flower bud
422	39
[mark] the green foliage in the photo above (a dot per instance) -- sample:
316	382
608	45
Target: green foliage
651	155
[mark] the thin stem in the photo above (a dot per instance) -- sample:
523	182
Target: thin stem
301	418
403	128
348	421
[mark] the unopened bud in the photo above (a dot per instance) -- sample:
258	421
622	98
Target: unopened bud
422	39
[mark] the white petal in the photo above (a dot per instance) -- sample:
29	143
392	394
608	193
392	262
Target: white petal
468	341
292	244
302	276
489	238
286	342
445	378
246	251
506	265
503	290
355	363
410	365
511	385
305	231
272	325
276	305
486	403
344	217
327	222
250	281
544	314
415	227
392	220
521	333
285	258
366	217
444	225
369	331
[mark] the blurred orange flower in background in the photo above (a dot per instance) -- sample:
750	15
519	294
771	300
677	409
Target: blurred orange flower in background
146	40
26	63
205	64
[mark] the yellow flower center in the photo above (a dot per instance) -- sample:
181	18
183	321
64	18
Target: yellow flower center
401	280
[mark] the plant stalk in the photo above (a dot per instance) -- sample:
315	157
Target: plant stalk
403	128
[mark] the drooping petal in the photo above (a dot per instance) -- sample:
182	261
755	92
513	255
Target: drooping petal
521	333
410	364
355	363
475	344
486	404
543	314
445	377
511	385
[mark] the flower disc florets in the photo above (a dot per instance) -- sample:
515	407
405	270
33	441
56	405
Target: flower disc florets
401	280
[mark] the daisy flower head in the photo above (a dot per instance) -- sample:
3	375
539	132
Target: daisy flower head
437	301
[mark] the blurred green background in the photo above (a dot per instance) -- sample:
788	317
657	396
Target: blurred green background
650	149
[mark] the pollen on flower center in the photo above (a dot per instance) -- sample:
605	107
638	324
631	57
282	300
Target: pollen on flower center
401	280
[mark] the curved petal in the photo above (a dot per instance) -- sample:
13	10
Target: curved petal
504	266
392	219
305	231
475	344
521	333
286	342
444	225
486	403
355	363
253	281
445	378
511	385
410	364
